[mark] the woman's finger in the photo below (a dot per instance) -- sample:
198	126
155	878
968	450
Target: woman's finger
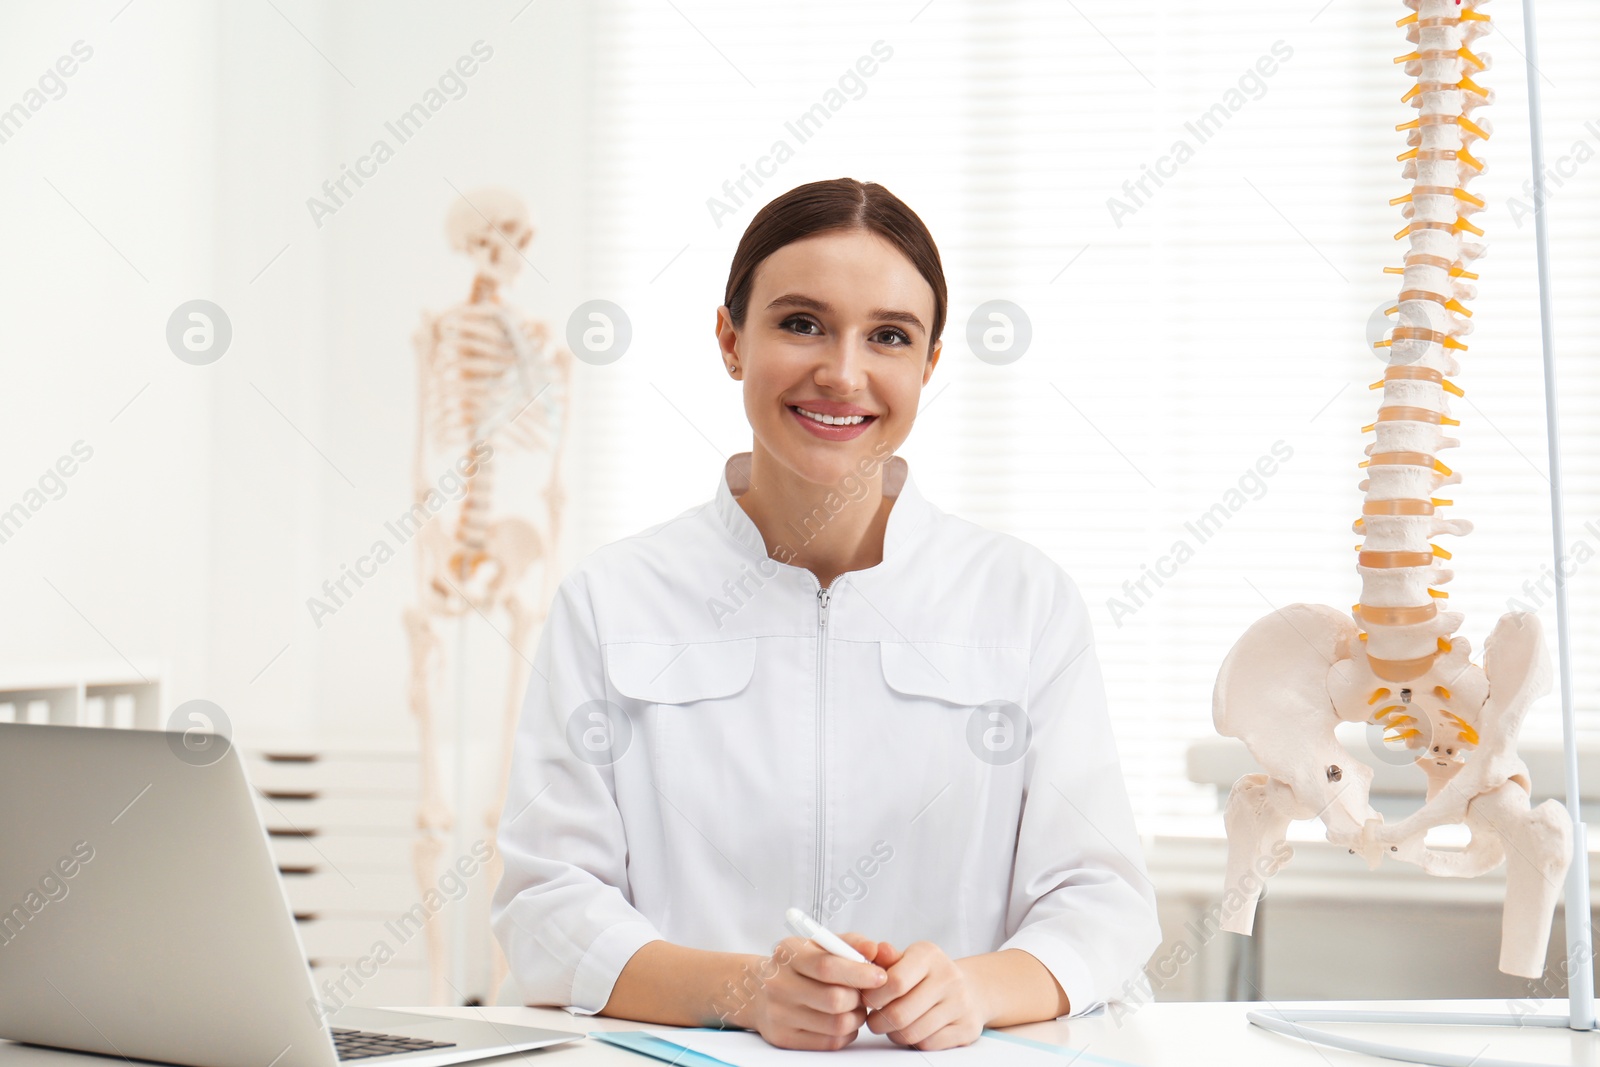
806	1041
951	1035
792	1016
864	945
909	969
828	997
817	963
916	1015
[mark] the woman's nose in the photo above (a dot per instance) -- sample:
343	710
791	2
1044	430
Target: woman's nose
842	368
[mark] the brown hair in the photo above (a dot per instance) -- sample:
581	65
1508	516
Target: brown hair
836	204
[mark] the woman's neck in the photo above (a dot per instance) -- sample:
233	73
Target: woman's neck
816	526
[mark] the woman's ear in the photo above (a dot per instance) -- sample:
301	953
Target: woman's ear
933	360
728	342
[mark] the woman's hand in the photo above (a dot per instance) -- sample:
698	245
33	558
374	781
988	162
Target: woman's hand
813	1002
929	1001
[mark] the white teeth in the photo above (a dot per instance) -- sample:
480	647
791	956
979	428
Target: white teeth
832	420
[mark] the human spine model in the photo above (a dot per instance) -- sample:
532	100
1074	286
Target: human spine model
1399	665
488	383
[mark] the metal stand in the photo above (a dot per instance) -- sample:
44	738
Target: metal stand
1580	980
1288	1024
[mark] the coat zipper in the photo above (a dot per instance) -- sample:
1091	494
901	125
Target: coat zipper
823	596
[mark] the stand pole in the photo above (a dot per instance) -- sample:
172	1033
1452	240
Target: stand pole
1580	976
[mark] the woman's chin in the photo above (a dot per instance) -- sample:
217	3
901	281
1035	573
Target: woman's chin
826	463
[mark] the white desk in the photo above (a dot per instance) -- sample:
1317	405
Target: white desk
1195	1034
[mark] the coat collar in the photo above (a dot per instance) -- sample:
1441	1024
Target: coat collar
907	513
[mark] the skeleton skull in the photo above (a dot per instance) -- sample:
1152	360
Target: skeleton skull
492	227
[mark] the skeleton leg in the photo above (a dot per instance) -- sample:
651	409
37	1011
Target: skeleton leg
434	818
521	624
1483	853
1538	848
1257	817
425	854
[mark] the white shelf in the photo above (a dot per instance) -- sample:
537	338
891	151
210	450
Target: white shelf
104	693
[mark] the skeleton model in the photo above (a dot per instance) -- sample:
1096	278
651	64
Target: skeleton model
1297	673
488	383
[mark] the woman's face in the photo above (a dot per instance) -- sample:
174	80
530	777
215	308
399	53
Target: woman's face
837	326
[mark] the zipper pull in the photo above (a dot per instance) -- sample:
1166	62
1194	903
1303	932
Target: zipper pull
823	596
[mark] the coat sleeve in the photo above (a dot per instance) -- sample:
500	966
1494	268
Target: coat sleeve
563	911
1081	901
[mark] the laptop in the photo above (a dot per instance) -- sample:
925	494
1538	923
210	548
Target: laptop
142	916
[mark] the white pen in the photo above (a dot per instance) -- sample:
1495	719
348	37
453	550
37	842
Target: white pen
805	926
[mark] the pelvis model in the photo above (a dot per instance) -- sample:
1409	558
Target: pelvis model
1395	660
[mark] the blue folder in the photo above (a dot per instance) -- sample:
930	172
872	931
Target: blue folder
657	1048
650	1045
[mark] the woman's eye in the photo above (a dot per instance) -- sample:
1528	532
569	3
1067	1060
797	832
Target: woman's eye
897	336
797	324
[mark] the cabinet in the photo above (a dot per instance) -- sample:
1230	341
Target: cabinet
341	820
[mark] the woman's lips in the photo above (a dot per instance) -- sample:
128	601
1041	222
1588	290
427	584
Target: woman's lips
832	433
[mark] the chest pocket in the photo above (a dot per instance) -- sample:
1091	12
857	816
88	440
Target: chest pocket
697	716
680	674
963	675
977	694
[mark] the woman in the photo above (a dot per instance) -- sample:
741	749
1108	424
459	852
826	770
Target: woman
820	690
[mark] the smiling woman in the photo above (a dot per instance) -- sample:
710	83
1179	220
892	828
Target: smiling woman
821	365
899	679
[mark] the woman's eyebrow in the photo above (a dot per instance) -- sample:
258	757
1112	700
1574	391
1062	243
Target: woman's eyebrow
891	315
808	303
799	300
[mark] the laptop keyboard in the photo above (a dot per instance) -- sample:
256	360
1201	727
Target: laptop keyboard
361	1044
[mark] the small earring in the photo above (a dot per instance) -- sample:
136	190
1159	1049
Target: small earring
733	369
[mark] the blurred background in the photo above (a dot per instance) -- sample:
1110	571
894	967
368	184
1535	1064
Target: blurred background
1186	207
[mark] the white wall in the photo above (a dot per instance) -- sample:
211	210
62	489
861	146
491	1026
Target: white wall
224	496
107	201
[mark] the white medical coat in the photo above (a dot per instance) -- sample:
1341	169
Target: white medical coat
921	752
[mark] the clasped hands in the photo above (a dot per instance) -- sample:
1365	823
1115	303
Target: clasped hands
920	998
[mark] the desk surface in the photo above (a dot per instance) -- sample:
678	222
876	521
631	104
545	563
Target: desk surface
1156	1035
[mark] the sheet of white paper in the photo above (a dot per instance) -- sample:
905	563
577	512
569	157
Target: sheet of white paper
745	1048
